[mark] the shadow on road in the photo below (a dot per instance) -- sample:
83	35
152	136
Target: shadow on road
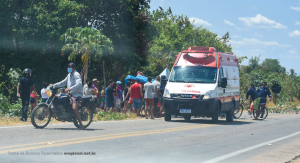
208	121
71	129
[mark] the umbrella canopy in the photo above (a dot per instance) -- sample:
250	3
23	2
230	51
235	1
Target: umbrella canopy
143	79
166	72
129	78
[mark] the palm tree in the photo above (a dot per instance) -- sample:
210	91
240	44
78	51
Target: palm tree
87	42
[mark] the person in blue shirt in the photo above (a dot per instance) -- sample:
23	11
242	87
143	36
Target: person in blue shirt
263	92
254	97
252	92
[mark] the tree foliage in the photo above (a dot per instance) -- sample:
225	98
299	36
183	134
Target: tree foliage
272	72
175	33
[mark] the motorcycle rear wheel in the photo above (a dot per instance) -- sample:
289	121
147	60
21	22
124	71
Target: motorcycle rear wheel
86	115
41	116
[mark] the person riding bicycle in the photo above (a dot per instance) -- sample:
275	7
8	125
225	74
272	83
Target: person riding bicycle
263	92
74	85
254	96
252	92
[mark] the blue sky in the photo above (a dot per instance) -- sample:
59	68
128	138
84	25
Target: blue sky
269	28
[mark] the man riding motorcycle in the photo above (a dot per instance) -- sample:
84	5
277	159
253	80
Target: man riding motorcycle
74	85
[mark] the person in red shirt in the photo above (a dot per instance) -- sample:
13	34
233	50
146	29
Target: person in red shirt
136	93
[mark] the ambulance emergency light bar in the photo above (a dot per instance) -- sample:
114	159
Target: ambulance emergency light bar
201	49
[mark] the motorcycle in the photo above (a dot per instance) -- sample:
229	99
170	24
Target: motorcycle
59	106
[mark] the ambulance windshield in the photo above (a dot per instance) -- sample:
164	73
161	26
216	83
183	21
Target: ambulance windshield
194	74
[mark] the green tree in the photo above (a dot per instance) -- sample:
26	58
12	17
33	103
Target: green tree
89	43
174	33
271	65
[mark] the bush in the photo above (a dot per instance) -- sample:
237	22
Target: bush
9	110
109	116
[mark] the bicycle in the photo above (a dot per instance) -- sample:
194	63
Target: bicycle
238	112
262	109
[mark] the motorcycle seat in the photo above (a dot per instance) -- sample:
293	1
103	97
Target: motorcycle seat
87	98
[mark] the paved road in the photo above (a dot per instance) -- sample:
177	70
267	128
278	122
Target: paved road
275	139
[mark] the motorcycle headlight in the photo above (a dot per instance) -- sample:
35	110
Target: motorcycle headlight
49	93
208	95
167	93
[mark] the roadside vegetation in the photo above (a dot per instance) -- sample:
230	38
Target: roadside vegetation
100	116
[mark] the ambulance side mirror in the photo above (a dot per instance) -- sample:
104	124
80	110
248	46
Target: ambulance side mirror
224	83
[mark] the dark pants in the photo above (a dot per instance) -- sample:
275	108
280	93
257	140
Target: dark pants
25	104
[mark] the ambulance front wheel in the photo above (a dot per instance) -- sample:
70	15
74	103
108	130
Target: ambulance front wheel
215	115
167	117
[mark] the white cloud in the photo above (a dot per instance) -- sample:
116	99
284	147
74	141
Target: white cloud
257	35
255	43
292	52
237	36
199	21
295	8
260	21
295	33
297	23
228	22
290	56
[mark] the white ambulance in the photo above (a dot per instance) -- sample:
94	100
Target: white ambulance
203	82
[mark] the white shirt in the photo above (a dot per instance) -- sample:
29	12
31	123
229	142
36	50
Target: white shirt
149	88
88	91
72	81
43	93
84	87
156	85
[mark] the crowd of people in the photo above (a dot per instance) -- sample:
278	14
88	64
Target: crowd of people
143	99
140	98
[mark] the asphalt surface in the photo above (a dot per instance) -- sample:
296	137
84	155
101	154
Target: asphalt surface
275	139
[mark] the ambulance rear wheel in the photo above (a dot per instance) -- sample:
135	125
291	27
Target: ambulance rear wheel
167	117
230	116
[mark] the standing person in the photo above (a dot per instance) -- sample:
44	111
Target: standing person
74	85
87	81
136	94
162	89
126	97
263	92
26	84
156	96
115	96
118	89
95	85
254	97
102	94
33	99
43	92
90	90
149	90
109	96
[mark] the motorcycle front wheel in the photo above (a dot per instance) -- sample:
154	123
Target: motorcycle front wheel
86	115
41	116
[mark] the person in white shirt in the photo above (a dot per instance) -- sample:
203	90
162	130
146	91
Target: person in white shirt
90	90
87	81
149	97
43	92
